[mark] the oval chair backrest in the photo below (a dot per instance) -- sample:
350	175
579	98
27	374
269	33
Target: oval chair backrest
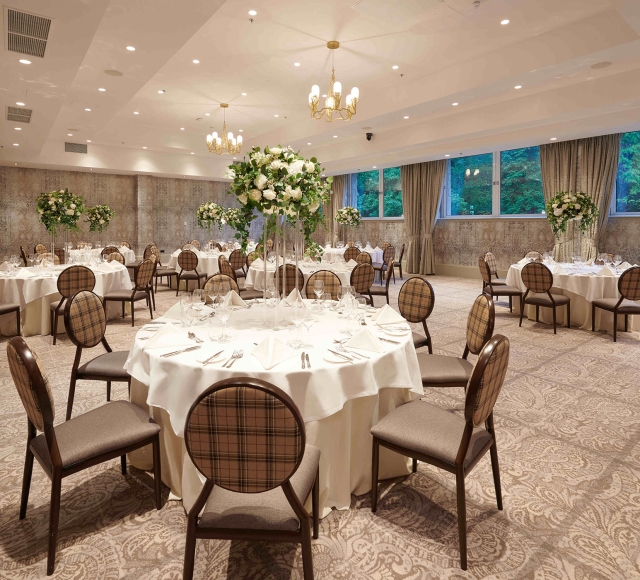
195	244
362	277
384	245
144	273
480	323
289	278
252	257
116	257
31	382
491	261
331	281
484	270
125	245
187	260
245	435
50	256
537	277
237	259
84	319
416	300
109	250
225	268
486	380
364	258
59	252
351	254
40	249
388	254
629	283
216	279
75	279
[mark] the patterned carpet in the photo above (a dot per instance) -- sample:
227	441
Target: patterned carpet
568	433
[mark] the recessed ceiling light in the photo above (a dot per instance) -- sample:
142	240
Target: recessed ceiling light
308	143
16	144
88	140
375	167
323	175
324	96
131	48
335	136
20	104
244	94
276	115
195	61
240	130
136	113
88	110
181	128
395	67
554	138
144	147
235	157
518	87
207	114
192	153
161	91
406	116
18	128
505	21
252	13
25	61
296	64
454	104
447	155
102	90
91	169
15	164
69	134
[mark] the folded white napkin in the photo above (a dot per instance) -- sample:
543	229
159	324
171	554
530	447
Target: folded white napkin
589	262
169	335
387	315
271	352
365	340
5	267
340	267
523	261
368	247
235	300
558	269
377	249
328	246
24	273
352	263
624	266
257	263
294	296
176	253
174	313
606	271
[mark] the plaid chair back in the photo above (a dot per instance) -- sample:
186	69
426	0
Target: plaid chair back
216	279
237	259
351	254
125	245
59	252
363	258
485	272
480	323
151	250
290	278
629	284
195	244
389	273
144	273
491	261
332	283
187	260
75	279
416	300
388	254
362	277
40	249
401	253
225	268
252	257
488	374
537	277
534	255
246	438
84	319
50	256
385	245
109	250
116	257
24	383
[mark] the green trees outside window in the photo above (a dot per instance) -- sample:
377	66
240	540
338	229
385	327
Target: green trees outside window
628	179
470	184
521	182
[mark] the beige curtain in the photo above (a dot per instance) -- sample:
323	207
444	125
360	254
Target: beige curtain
587	165
330	209
421	187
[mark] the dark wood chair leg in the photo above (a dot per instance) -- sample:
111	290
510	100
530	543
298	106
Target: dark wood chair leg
132	312
72	392
554	319
123	464
401	271
315	505
375	454
123	309
54	518
177	290
537	313
429	343
615	326
387	295
510	303
157	472
414	465
150	308
26	482
522	307
108	391
568	314
54	326
593	317
189	553
18	322
495	468
307	556
462	519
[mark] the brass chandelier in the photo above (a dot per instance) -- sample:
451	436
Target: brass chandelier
226	143
333	109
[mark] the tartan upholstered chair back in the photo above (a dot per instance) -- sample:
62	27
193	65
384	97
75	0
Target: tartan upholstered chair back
534	255
537	277
209	286
109	250
237	259
351	254
245	435
59	252
187	260
151	250
85	320
195	244
389	273
144	273
31	382
629	284
40	249
290	278
50	256
332	283
362	277
116	257
486	380
491	261
485	272
75	279
125	244
252	257
225	268
416	300
480	324
363	258
384	245
389	254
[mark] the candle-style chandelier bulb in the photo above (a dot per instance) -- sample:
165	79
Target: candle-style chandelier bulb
226	142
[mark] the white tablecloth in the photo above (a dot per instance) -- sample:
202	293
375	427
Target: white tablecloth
339	402
129	255
583	289
375	253
255	276
207	263
36	293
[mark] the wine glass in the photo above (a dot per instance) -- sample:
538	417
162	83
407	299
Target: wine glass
327	302
198	298
224	314
225	290
185	305
298	315
342	293
31	259
318	290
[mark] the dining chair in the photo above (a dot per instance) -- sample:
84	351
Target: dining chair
442	371
497	291
50	256
99	435
269	244
125	245
384	245
116	257
538	279
440	437
247	438
332	283
415	302
289	278
195	244
23	255
491	261
364	258
188	262
70	281
86	323
252	257
361	279
237	260
629	290
383	290
398	263
351	253
40	249
389	254
225	268
10	308
141	290
534	255
216	279
107	251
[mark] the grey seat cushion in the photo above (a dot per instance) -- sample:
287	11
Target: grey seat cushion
54	305
108	364
261	511
440	369
4	308
626	307
499	281
419	340
504	290
544	300
378	290
191	275
125	295
250	294
430	430
107	428
162	271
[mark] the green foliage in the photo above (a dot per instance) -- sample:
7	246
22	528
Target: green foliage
60	209
471	185
521	182
99	217
367	201
392	185
628	180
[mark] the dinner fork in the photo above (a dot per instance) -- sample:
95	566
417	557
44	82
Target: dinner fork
180	351
341	348
236	355
192	336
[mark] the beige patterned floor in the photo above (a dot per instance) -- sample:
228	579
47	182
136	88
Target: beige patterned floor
568	431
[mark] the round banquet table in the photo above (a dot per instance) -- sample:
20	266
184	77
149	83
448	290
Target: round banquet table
207	263
255	274
583	288
375	253
35	290
128	255
339	402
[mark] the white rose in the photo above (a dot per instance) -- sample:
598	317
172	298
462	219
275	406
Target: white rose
554	206
313	208
73	206
296	167
260	181
275	150
296	194
565	205
310	167
61	191
268	194
268	210
579	217
242	199
574	198
255	194
577	206
276	164
51	202
41	211
557	212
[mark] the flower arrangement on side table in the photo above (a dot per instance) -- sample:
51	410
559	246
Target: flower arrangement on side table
313	250
564	207
60	209
209	214
349	216
99	217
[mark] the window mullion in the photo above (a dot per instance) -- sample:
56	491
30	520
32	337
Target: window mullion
495	189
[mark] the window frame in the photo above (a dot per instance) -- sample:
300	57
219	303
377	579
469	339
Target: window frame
353	196
612	206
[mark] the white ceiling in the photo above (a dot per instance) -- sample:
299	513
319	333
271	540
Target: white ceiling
447	51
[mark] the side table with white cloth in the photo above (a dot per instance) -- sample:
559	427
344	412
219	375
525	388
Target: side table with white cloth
207	262
375	253
583	287
128	254
255	274
339	400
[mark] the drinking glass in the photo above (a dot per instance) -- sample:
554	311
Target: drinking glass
105	257
327	302
318	290
225	290
214	292
185	304
31	258
214	333
298	315
224	313
342	292
198	298
192	315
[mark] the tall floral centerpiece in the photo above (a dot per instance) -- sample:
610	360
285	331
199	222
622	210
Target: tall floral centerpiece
570	215
60	211
99	217
349	217
210	214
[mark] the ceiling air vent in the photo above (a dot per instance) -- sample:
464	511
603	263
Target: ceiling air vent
75	147
27	33
19	115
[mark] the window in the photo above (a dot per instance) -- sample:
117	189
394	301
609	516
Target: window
521	182
470	185
627	194
377	193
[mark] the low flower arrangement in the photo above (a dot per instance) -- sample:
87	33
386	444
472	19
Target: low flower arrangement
564	207
209	214
314	250
99	217
60	209
234	217
349	216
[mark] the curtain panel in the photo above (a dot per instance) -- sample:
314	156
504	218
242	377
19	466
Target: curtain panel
330	209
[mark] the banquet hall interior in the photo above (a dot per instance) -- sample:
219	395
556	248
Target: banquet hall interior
340	289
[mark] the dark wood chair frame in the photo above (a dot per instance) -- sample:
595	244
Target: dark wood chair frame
424	320
498	291
615	310
9	309
146	288
382	267
54	315
398	263
375	291
523	303
199	275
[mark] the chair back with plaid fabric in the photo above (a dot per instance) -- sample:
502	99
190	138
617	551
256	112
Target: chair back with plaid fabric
351	254
195	244
109	250
401	253
187	260
50	256
59	252
75	279
116	257
245	435
225	268
363	258
362	278
629	284
485	272
389	254
290	278
534	255
537	277
40	249
332	283
252	257
486	380
416	300
480	324
31	382
85	320
151	250
384	245
389	273
237	259
125	245
216	279
491	261
144	274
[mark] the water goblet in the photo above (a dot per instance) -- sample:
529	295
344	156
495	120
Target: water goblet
225	290
318	290
198	298
224	314
298	315
327	301
31	259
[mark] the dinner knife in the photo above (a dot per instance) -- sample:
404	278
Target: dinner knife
340	355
